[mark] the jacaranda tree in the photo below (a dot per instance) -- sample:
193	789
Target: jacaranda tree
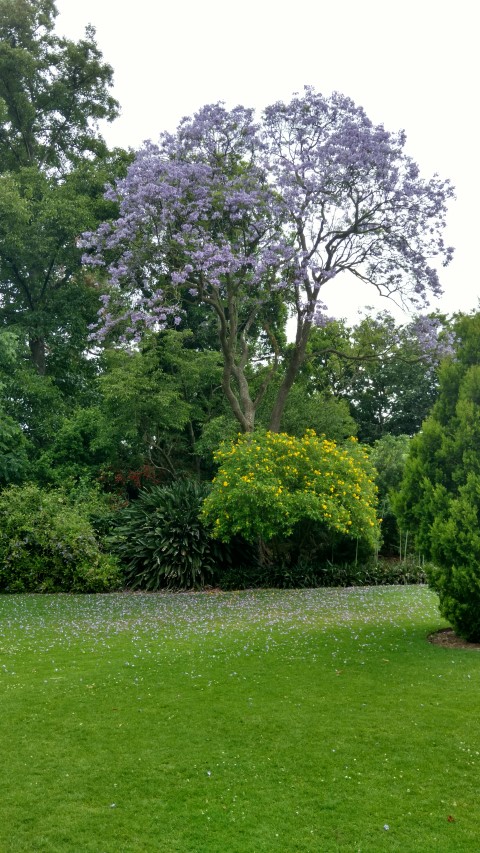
248	217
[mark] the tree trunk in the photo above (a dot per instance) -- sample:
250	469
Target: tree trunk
37	351
295	363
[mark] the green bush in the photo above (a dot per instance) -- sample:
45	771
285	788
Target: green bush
98	507
438	501
162	542
388	455
303	574
455	546
48	545
286	492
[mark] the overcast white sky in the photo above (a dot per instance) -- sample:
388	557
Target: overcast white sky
411	65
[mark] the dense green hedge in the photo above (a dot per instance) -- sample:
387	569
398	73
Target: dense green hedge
304	575
48	545
50	541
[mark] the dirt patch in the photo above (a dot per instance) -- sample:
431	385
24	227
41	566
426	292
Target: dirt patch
448	638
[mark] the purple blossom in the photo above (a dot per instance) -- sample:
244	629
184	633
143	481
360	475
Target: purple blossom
321	320
230	209
434	340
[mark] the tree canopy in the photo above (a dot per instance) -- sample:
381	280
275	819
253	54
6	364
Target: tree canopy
53	168
387	373
53	90
237	214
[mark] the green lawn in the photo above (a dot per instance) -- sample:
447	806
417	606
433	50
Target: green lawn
312	720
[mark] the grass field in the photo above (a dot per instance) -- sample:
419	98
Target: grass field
313	720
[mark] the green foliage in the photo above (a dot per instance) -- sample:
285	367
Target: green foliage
145	406
215	430
193	376
325	414
45	295
77	450
13	451
439	498
52	91
97	506
47	545
126	417
269	483
143	410
54	166
13	444
423	494
307	408
389	455
308	574
394	387
380	369
455	547
8	348
163	543
34	402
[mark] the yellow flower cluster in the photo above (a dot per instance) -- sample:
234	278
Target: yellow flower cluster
267	482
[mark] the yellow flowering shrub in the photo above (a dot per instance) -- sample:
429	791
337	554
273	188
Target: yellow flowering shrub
269	482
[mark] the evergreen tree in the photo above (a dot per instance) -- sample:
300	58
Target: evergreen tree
439	499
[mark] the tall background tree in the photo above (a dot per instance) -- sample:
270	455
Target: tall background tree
385	372
53	168
239	214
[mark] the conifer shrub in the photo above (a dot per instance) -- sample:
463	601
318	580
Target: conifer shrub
438	501
455	574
